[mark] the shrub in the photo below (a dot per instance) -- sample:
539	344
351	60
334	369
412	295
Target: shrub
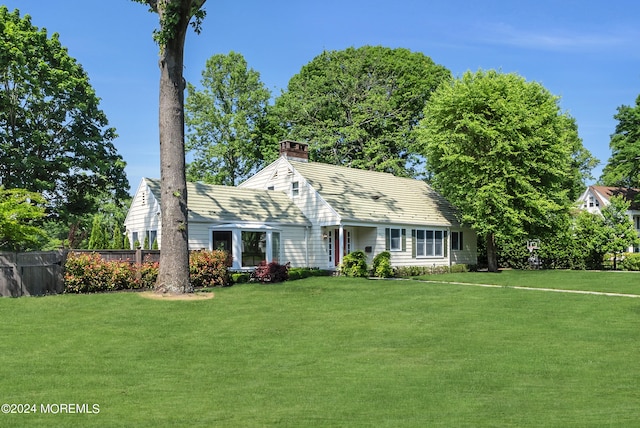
294	274
301	273
88	273
382	265
354	264
270	272
240	277
209	268
408	271
459	268
631	261
147	274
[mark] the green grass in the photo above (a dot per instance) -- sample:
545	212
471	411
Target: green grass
328	352
609	282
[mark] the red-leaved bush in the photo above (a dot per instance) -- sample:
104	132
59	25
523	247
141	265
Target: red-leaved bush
209	268
89	273
270	272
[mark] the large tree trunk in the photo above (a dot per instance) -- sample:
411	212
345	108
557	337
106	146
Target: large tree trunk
173	276
492	254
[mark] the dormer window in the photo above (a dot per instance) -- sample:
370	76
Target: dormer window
295	188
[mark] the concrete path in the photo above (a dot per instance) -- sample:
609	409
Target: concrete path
597	293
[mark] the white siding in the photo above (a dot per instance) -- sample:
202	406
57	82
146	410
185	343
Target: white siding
281	175
144	215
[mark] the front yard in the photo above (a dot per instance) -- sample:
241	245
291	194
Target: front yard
330	352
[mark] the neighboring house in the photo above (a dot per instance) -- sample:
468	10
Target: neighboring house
595	198
312	215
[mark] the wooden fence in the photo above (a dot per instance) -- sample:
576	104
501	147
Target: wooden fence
41	273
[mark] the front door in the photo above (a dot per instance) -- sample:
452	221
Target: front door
346	245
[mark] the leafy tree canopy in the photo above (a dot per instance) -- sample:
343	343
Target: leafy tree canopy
623	167
222	120
358	107
618	226
54	139
501	150
20	211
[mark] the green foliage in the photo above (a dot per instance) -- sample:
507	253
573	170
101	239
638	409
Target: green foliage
504	154
117	240
209	268
240	277
338	352
222	120
359	106
459	268
54	138
381	265
20	211
301	273
623	167
591	237
97	241
147	273
175	14
412	271
630	261
88	273
619	228
354	264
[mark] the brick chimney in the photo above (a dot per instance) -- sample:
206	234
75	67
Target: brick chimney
294	151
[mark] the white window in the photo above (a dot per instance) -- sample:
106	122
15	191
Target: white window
395	240
429	243
295	188
636	221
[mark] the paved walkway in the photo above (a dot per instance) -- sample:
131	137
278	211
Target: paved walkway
556	290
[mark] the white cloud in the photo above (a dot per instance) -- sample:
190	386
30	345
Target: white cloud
556	39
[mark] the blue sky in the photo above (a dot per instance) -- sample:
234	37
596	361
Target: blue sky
586	52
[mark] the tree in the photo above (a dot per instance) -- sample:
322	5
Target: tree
623	167
97	240
223	119
590	234
619	229
358	107
500	149
54	139
174	16
19	212
117	239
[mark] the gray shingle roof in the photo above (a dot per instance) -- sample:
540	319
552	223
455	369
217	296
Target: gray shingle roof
227	204
370	196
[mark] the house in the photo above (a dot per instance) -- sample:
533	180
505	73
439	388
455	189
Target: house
595	198
313	214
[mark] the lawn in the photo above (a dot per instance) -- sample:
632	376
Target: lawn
608	282
327	352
